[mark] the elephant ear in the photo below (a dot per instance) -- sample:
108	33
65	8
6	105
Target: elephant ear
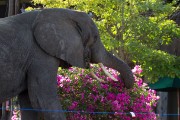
62	36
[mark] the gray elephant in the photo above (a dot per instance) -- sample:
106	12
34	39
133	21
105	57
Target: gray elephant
32	47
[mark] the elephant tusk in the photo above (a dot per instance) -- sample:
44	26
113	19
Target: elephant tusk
96	77
106	72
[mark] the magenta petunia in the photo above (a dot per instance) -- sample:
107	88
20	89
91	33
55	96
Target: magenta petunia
84	93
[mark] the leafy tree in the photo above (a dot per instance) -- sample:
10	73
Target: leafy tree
133	30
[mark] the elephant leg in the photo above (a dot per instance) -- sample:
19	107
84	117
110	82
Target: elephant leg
25	105
42	88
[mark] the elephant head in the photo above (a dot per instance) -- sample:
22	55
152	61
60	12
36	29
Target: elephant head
73	38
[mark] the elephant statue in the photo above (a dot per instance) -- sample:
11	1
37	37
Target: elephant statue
32	47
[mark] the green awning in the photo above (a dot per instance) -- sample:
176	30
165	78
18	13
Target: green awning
165	84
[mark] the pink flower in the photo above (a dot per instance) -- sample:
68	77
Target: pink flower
102	99
90	108
73	105
104	86
157	97
116	106
137	70
82	96
15	115
111	96
71	69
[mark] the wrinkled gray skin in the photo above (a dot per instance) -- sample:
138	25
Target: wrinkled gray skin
32	47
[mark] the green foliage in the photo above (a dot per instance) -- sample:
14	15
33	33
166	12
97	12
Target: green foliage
135	28
156	62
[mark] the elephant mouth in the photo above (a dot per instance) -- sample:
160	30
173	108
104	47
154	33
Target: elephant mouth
64	64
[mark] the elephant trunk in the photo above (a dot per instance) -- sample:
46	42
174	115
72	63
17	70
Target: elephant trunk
100	55
125	71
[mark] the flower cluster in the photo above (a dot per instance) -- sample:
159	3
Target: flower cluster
16	115
137	70
79	91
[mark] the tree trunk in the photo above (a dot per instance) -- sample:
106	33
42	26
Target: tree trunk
11	7
16	7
